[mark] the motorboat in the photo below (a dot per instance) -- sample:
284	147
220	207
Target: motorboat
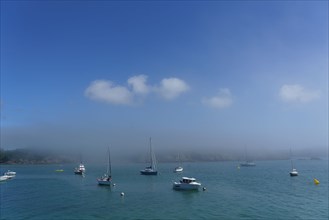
152	169
80	170
187	183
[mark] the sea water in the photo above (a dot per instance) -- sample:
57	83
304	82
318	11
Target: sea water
265	191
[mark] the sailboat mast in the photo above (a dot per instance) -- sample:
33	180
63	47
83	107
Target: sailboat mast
151	157
109	168
292	165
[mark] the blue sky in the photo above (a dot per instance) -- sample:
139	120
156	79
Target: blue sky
191	74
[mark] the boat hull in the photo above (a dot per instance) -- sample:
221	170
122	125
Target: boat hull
149	173
183	186
293	174
104	182
79	172
4	178
247	164
178	169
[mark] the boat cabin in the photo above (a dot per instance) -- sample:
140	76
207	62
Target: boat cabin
187	180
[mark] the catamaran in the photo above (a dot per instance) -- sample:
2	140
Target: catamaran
152	169
106	179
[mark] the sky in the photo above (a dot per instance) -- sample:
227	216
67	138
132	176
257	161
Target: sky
193	75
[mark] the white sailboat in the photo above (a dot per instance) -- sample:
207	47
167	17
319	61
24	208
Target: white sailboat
293	171
152	169
247	163
179	168
106	179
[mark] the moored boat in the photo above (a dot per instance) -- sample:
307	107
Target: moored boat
152	169
80	170
187	183
178	169
293	172
106	179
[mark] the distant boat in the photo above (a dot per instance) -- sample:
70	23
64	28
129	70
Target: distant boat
247	163
106	179
152	169
187	183
80	170
293	172
179	168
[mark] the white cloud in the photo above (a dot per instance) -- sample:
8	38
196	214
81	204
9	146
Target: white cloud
106	91
297	93
171	88
138	84
222	100
103	90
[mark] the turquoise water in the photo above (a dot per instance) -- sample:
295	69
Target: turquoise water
262	192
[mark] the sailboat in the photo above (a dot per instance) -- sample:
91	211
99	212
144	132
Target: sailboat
152	169
293	172
247	163
106	179
178	168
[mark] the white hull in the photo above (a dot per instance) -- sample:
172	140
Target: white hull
178	169
105	181
293	173
186	186
4	178
149	171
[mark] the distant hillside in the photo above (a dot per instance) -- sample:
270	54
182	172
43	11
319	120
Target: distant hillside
31	156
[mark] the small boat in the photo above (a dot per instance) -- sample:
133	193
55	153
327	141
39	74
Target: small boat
80	170
150	170
106	179
187	183
247	164
179	168
294	171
